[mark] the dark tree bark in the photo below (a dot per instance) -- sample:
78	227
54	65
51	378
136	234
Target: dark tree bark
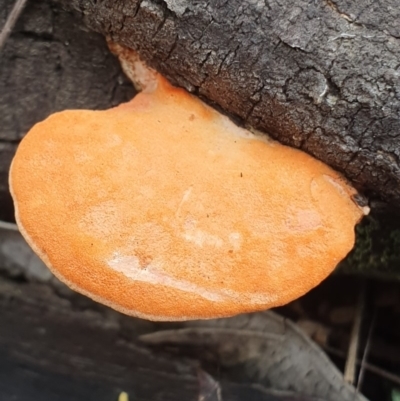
50	63
7	151
323	76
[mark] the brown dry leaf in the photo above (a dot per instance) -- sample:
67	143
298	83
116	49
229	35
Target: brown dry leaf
266	349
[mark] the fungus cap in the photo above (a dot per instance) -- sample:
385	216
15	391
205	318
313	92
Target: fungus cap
164	209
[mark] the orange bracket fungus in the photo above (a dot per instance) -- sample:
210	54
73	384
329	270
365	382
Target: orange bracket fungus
162	208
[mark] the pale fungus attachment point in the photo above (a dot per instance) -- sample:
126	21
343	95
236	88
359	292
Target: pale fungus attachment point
162	208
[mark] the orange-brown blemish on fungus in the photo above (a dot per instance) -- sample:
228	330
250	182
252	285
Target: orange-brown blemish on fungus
164	209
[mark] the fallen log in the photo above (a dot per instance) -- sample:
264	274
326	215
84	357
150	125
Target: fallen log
321	76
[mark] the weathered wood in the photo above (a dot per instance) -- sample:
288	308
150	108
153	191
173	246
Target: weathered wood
45	324
322	76
42	337
54	348
7	151
51	62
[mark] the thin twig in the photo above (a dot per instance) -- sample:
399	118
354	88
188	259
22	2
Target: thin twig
350	367
368	366
366	351
11	20
8	226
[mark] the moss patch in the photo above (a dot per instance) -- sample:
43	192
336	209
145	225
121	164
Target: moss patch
377	248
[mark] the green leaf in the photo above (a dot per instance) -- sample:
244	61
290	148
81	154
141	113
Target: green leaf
395	394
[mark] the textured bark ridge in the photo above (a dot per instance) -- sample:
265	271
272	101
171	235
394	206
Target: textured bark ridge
322	76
